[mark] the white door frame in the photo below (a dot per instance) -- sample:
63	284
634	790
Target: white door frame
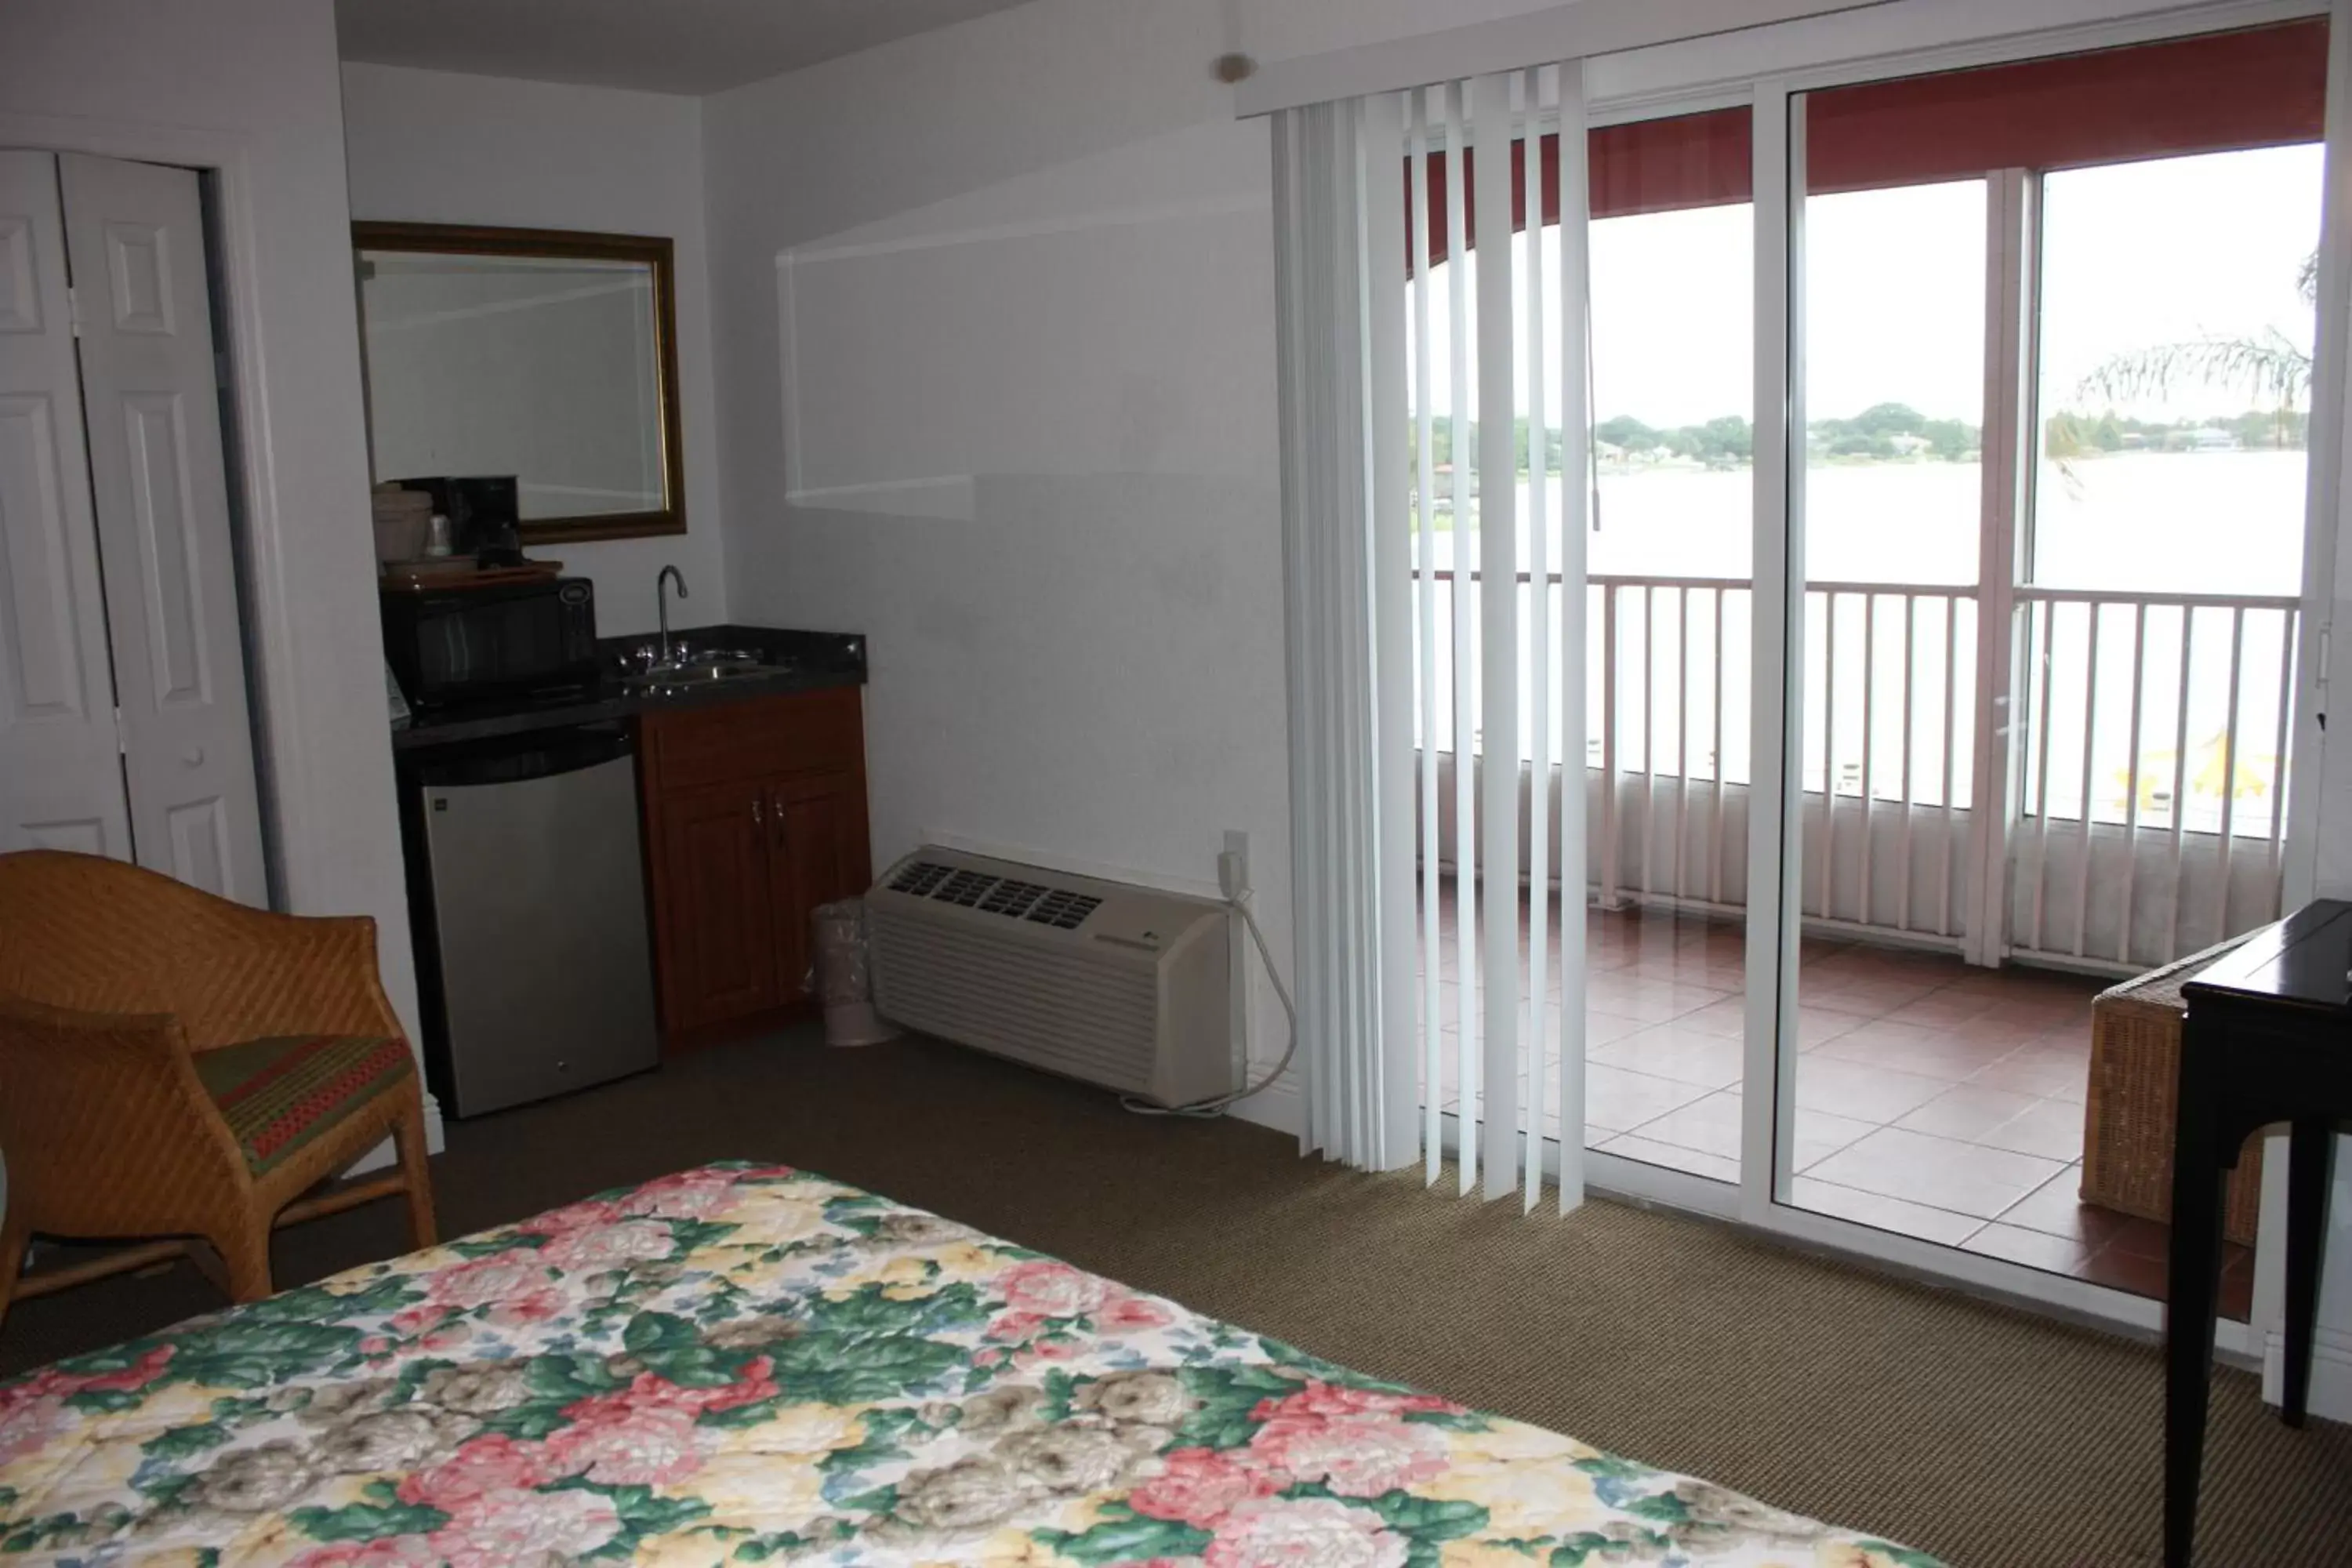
2327	447
2011	423
1776	790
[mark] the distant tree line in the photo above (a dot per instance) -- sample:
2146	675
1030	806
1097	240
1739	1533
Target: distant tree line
2072	435
1442	441
1727	439
1724	440
1883	430
1894	430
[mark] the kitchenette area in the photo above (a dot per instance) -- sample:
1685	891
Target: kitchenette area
614	844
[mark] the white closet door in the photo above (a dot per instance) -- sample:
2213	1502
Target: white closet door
60	766
134	234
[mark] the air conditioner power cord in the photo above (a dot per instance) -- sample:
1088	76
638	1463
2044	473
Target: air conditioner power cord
1203	1109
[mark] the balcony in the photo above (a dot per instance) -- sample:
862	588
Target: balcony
1936	1100
2138	811
1950	954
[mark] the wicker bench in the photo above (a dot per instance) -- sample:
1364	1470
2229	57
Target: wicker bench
2127	1119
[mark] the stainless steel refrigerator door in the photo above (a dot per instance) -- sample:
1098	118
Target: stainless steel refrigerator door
540	904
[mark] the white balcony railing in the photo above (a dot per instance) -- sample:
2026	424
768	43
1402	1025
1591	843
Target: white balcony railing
2145	788
2154	768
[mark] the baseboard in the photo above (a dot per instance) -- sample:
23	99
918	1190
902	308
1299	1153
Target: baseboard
2331	1372
1279	1105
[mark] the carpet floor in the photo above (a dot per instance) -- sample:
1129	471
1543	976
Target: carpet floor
1986	1436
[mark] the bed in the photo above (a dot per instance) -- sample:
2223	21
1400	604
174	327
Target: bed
752	1363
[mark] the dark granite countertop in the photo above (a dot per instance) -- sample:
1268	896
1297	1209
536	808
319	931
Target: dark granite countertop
798	661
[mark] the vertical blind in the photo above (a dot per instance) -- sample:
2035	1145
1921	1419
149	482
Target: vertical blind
1403	386
1516	1079
1322	282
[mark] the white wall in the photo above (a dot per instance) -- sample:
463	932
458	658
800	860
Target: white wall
436	147
252	87
1030	353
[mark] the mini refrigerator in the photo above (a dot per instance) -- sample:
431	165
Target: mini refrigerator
527	902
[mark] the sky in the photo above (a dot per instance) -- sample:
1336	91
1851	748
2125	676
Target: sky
2134	255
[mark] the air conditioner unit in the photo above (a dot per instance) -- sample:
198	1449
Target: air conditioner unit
1123	986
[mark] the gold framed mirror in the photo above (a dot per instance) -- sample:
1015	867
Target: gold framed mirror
548	354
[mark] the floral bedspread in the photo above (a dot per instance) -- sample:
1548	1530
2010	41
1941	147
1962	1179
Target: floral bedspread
755	1364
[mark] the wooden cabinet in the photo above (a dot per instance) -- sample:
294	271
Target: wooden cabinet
755	815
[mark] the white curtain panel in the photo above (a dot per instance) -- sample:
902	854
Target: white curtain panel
1408	522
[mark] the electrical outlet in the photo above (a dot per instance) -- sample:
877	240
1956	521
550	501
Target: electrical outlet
1233	864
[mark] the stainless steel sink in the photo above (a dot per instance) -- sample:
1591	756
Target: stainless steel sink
702	669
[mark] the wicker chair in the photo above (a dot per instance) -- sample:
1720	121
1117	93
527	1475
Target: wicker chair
175	1065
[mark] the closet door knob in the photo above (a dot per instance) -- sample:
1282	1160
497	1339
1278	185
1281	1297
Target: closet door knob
194	756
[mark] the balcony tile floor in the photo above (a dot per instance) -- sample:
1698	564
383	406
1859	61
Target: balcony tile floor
1933	1100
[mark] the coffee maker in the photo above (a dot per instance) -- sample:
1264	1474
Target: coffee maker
484	515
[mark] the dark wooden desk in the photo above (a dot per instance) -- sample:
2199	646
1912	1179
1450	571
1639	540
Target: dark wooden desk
2268	1040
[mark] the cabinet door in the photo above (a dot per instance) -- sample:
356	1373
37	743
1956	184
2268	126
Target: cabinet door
719	958
818	853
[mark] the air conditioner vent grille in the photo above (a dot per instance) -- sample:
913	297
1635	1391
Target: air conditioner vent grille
965	888
1063	912
920	879
1012	897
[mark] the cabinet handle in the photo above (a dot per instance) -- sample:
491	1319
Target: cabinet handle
757	801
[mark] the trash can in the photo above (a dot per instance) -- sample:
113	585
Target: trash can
844	977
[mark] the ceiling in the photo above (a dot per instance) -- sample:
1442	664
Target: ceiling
672	46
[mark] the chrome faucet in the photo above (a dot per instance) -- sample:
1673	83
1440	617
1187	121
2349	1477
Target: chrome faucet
661	603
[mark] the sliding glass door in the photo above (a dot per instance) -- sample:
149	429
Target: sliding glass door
1935	540
2049	358
1890	493
1671	612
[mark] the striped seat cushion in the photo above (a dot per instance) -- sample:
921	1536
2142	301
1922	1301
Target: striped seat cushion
278	1094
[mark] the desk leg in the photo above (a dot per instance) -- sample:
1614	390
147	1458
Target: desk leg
2192	1288
2310	1155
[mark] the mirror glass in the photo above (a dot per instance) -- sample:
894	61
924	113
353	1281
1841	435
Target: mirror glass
550	368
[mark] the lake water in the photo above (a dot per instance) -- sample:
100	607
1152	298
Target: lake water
2210	522
2205	522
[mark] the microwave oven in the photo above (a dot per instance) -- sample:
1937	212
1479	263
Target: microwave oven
503	641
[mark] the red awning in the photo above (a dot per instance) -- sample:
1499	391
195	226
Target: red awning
2262	87
2265	87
